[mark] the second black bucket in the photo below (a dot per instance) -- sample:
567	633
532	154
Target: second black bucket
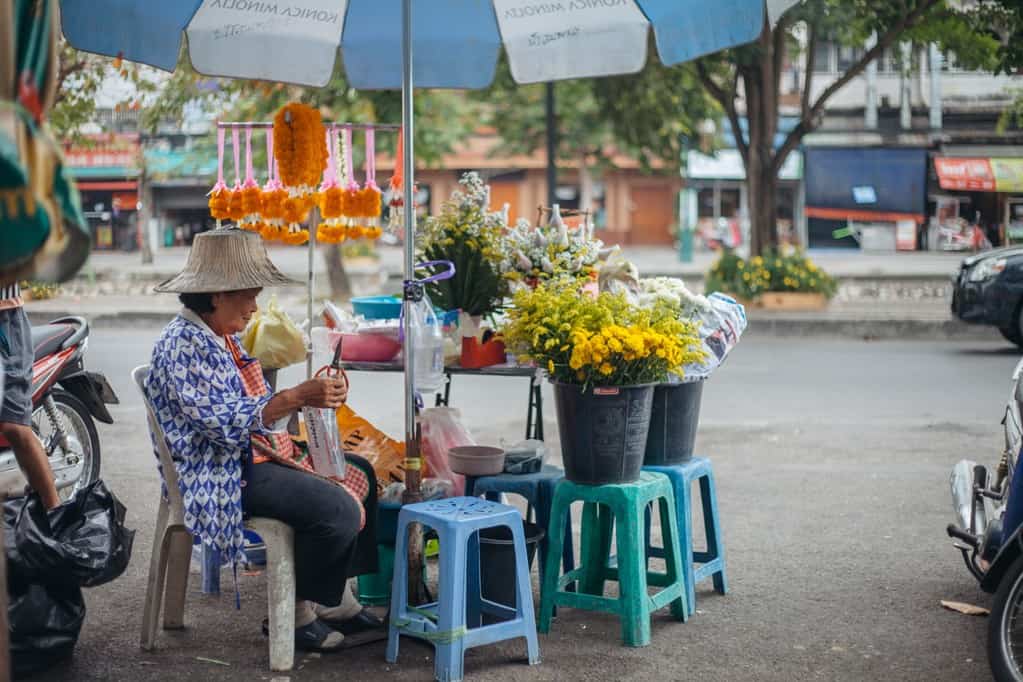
497	562
673	423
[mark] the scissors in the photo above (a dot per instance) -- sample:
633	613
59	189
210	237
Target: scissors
334	369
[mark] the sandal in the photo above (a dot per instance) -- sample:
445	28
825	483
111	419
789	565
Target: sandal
317	637
363	621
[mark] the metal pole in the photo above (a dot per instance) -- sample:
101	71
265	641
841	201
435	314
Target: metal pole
417	593
314	222
552	146
410	212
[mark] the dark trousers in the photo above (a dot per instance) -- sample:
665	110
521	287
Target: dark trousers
329	548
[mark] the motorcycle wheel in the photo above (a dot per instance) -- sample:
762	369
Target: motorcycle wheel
78	425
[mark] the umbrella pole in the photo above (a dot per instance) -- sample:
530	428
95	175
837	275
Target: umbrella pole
413	461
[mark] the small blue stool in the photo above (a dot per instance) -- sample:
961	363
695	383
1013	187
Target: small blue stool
538	490
457	521
713	560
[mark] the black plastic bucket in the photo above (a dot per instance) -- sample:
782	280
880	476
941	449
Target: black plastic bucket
603	431
673	423
497	562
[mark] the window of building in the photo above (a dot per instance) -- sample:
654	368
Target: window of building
822	53
847	56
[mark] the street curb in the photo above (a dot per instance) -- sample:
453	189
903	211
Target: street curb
783	326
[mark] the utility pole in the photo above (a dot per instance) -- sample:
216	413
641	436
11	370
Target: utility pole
552	145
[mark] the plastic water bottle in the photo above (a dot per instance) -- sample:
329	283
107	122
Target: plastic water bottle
428	344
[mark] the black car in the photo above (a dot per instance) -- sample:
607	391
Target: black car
989	290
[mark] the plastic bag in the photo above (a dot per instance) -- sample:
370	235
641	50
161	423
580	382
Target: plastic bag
359	437
721	326
525	457
323	438
50	557
82	542
273	339
45	621
443	430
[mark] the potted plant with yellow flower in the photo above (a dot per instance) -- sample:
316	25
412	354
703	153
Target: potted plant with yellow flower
604	356
776	280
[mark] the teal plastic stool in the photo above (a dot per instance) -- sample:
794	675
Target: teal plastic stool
712	562
622	506
447	622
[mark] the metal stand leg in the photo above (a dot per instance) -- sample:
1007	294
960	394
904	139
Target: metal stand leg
444	399
534	413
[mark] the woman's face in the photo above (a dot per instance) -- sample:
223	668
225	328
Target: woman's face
232	311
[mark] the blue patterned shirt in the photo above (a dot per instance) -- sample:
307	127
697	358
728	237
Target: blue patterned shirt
207	419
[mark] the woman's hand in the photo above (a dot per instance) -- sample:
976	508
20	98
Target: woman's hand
324	392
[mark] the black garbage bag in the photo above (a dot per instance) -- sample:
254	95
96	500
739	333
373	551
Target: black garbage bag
45	621
84	541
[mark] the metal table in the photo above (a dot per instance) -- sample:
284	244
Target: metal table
534	411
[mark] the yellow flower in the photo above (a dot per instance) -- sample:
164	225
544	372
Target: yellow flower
550	366
606	369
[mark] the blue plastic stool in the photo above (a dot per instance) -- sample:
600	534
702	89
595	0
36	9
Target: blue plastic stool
444	623
713	560
538	490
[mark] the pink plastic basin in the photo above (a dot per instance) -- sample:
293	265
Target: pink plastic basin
366	347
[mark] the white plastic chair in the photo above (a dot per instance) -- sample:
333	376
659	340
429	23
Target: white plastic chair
172	553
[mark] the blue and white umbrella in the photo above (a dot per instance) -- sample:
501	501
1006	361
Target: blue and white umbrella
455	44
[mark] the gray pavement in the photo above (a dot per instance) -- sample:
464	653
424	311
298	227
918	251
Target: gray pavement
651	261
832	459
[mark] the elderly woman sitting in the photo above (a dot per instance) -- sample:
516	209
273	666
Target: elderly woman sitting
226	432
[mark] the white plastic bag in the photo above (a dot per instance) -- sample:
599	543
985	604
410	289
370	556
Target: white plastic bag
324	441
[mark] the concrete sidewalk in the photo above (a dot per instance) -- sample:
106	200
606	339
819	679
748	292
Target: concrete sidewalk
651	261
926	317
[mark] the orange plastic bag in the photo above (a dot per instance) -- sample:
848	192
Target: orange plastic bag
359	437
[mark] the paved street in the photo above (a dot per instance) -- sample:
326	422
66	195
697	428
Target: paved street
832	461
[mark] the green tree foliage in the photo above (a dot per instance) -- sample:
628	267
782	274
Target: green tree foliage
977	32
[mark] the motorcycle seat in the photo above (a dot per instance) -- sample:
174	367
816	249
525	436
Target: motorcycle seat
47	338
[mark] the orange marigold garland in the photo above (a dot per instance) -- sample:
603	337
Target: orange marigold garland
300	149
218	196
372	197
251	196
332	198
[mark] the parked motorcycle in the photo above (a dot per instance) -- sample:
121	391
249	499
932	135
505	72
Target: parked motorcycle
65	400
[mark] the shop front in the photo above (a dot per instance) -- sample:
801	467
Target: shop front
715	199
106	170
871	198
979	202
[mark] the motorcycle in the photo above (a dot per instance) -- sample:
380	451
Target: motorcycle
66	398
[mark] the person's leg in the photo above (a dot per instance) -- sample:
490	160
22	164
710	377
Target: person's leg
16	409
324	517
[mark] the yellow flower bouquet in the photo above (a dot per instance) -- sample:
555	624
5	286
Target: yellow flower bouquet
598	340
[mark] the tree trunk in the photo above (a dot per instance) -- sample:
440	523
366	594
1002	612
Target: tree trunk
760	83
340	285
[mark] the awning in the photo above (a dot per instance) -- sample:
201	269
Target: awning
726	164
979	174
866	184
95	186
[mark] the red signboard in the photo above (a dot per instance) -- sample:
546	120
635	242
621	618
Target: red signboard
965	173
104	151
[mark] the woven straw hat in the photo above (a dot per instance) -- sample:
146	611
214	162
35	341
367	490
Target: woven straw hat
227	259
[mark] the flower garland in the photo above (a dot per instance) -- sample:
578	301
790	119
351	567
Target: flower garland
235	208
272	197
251	195
353	195
219	198
301	152
332	198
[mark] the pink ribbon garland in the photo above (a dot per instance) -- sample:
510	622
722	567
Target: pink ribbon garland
250	175
220	162
352	184
235	137
330	172
371	159
272	183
